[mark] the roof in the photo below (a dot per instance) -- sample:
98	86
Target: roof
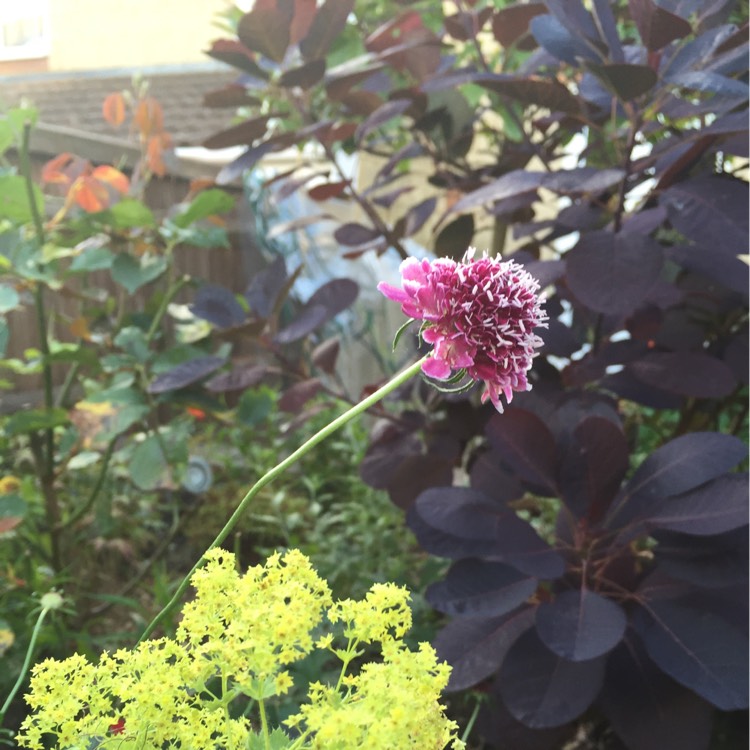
74	99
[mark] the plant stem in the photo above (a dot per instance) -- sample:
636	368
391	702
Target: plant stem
264	724
472	719
26	664
169	295
280	469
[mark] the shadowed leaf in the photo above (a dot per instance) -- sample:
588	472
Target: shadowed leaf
266	29
593	465
699	649
476	646
511	23
580	625
218	306
544	690
480	588
613	273
236	54
525	444
678	466
185	374
686	373
236	379
713	508
328	23
295	397
647	709
265	287
657	26
238	135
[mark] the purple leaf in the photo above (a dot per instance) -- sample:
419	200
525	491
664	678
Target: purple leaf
513	183
480	588
218	306
185	374
265	287
686	373
560	42
457	522
647	709
295	397
582	180
711	562
713	508
476	646
625	81
418	215
543	690
580	625
335	296
245	133
657	26
699	649
310	318
525	444
234	53
266	30
613	273
705	208
678	466
511	23
605	21
328	23
593	465
455	237
305	76
233	95
489	476
237	379
381	115
415	474
354	235
325	355
727	269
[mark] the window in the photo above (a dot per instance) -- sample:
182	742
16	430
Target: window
24	30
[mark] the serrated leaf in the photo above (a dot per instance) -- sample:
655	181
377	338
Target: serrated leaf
132	273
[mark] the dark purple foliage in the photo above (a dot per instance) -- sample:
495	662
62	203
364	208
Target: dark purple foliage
598	529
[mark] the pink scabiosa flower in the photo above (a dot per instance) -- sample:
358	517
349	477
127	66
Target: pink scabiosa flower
479	314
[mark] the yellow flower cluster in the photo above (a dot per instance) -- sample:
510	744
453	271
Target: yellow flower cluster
236	638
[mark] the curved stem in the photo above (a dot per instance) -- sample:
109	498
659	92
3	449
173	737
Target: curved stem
26	664
278	470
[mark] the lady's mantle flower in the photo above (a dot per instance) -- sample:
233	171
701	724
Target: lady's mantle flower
480	314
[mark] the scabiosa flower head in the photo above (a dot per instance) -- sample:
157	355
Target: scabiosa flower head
479	314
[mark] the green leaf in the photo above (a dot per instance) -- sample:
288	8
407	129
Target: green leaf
14	200
124	419
147	464
9	299
255	406
133	273
205	204
83	459
130	214
278	740
92	259
132	340
34	420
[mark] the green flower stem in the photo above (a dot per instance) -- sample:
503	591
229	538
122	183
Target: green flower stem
280	469
264	724
26	663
